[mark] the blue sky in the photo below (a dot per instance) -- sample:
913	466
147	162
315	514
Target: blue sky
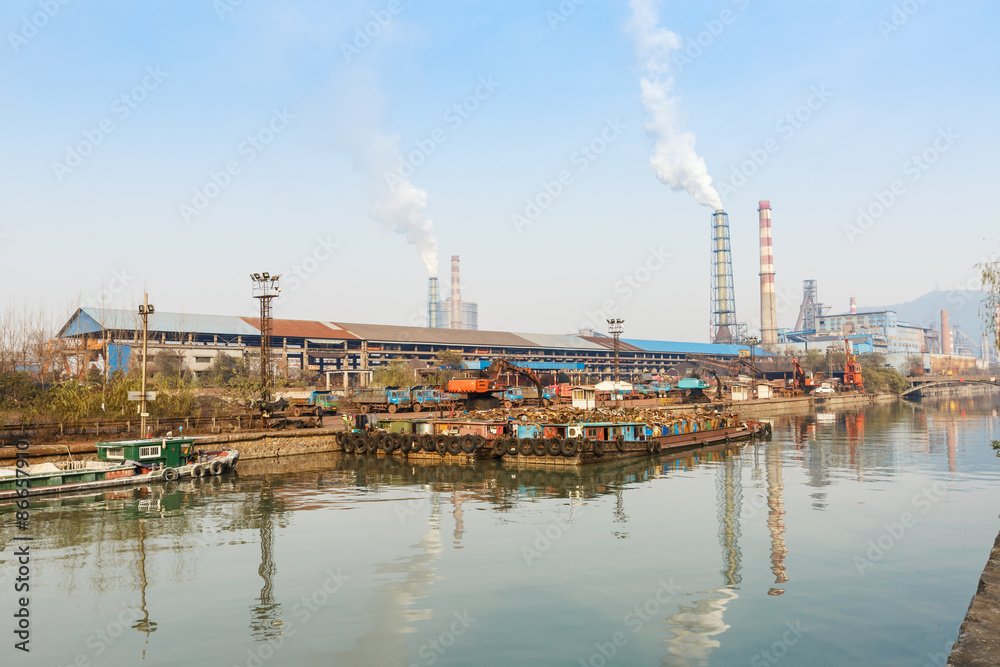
210	75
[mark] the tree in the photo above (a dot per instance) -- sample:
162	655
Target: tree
397	374
448	363
989	309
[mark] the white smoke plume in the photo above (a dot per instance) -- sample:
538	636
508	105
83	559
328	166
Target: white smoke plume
674	158
399	205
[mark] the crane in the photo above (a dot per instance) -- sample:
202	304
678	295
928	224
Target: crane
852	369
502	365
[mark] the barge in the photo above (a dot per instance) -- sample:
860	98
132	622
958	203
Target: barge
118	464
571	443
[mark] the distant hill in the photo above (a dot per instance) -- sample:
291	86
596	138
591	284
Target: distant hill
962	306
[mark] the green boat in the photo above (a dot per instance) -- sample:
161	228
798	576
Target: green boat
118	464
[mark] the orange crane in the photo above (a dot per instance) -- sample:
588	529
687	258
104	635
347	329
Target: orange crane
852	369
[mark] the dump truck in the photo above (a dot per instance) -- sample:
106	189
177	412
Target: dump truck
390	399
316	404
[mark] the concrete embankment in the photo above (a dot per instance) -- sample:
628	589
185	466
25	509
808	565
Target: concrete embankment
978	642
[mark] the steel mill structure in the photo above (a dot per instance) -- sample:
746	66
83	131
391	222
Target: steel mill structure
723	324
768	306
441	314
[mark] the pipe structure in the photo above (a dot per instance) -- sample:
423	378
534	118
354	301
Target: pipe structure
432	303
723	325
768	307
456	295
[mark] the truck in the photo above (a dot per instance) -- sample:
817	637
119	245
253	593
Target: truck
316	404
390	399
429	398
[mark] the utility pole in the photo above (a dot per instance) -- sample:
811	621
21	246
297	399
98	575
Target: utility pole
265	288
145	310
752	341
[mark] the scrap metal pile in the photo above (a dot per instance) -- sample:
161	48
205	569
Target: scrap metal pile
566	415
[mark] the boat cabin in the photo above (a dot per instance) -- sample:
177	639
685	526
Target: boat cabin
169	452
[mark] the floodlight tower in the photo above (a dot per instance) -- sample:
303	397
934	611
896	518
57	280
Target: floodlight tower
615	328
265	288
145	310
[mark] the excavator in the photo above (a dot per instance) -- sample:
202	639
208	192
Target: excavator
852	370
502	365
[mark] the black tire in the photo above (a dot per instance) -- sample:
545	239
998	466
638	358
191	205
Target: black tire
198	470
468	444
568	447
216	467
513	446
525	447
500	446
538	447
364	409
393	408
371	444
454	445
441	445
427	441
478	442
170	475
656	447
649	446
348	443
554	447
417	407
340	438
620	443
598	448
397	440
406	443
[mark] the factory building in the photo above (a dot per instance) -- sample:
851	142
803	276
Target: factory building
887	335
350	352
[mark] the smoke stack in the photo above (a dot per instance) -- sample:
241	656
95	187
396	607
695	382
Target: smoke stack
946	347
432	303
854	306
723	299
768	308
456	295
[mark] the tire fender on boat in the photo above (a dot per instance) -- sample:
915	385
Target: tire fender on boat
170	474
198	470
216	467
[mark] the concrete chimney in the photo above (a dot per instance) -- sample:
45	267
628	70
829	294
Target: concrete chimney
432	303
946	347
456	295
854	306
768	308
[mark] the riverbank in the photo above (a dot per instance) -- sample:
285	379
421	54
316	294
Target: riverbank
978	642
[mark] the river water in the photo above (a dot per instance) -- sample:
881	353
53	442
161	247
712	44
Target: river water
849	538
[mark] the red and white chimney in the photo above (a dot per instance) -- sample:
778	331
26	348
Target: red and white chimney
768	308
854	306
946	347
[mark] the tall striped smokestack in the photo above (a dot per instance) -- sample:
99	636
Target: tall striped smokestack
432	303
945	334
768	308
456	295
854	306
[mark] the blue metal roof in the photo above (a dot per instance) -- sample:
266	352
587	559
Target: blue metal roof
94	320
691	348
480	364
